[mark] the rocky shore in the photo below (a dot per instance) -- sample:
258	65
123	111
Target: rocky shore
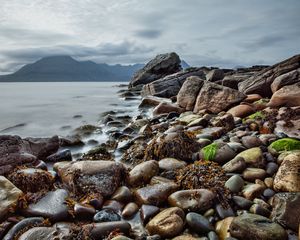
212	154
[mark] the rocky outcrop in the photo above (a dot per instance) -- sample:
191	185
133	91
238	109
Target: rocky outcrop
159	67
188	93
261	82
286	79
170	85
216	98
15	151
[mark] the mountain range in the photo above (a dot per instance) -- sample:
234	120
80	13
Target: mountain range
67	69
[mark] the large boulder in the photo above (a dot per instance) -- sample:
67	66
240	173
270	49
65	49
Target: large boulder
261	82
288	96
91	177
286	79
170	85
15	151
214	75
188	93
159	67
217	98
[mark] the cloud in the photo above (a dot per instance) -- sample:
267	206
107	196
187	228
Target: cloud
150	34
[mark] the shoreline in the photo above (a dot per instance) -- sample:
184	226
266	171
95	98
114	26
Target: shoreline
212	162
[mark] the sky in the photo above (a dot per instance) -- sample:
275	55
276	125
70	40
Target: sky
221	33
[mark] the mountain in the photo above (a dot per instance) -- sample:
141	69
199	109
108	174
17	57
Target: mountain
65	68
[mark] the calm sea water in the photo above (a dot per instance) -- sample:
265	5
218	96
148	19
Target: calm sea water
46	109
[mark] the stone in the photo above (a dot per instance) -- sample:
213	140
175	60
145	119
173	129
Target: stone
253	157
251	141
216	98
271	168
160	66
218	152
142	173
122	194
64	155
129	210
188	93
197	223
259	210
242	110
113	204
286	209
45	233
156	194
15	151
52	205
106	215
224	212
253	98
215	75
168	223
260	83
84	211
196	200
234	183
151	101
252	226
222	228
251	191
97	176
169	164
288	96
163	108
288	78
147	212
235	165
287	178
250	174
284	144
170	85
226	121
241	202
9	196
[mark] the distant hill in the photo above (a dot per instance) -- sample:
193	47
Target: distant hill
65	68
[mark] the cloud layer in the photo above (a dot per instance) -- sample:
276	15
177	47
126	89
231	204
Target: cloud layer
206	32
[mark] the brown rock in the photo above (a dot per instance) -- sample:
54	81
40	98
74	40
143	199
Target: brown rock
288	96
251	191
252	98
250	174
222	228
169	164
242	110
288	78
215	75
152	101
168	223
217	98
163	108
188	93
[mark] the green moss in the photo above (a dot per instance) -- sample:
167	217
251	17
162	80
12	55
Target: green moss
210	151
262	101
285	144
257	115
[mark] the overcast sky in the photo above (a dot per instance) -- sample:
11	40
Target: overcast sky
224	33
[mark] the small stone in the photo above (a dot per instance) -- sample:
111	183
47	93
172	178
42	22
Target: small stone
148	211
235	183
251	141
222	228
197	223
242	203
129	210
212	236
257	209
224	212
237	165
269	182
253	157
64	155
268	193
271	168
84	211
122	194
251	191
103	229
106	215
114	205
168	164
250	174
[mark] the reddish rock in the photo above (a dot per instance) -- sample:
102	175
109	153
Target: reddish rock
167	108
242	110
288	96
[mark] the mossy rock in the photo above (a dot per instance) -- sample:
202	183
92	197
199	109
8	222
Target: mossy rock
256	116
210	151
284	144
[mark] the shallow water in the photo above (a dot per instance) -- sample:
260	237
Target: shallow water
51	108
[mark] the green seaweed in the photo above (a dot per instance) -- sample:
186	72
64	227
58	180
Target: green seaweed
257	115
285	144
210	151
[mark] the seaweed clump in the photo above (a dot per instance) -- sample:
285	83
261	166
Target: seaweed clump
210	151
206	175
285	144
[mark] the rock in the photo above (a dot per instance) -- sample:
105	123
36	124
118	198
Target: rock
197	223
170	85
287	179
24	224
163	108
9	196
251	226
222	228
217	152
84	211
217	98
259	210
122	194
197	200
250	174
103	229
160	66
251	141
288	78
52	205
168	223
129	210
155	194
235	183
86	177
253	98
226	121
188	93
288	96
45	233
242	110
235	165
224	212
114	205
260	83
284	144
286	210
106	215
64	155
251	191
271	168
147	212
142	173
15	151
215	75
169	164
253	157
151	101
290	128
241	202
